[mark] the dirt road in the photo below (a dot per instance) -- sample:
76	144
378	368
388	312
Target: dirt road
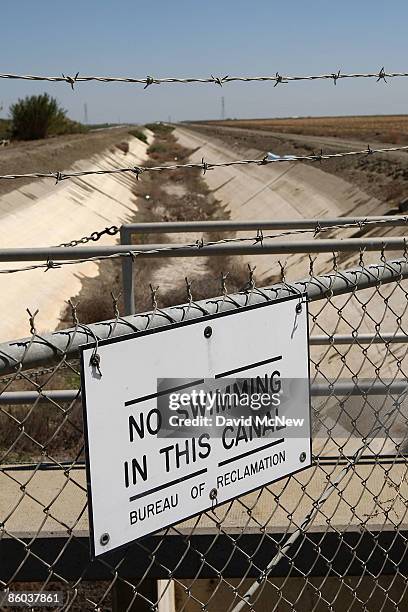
338	144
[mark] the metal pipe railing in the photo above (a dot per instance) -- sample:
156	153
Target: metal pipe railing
339	388
164	227
266	247
172	227
35	352
378	338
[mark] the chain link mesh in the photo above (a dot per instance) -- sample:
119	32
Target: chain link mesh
332	537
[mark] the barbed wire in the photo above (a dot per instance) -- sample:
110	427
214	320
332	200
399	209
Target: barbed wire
277	78
317	229
259	238
203	165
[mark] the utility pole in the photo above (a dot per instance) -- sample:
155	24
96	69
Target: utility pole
222	108
86	113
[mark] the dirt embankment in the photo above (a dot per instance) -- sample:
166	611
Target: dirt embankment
370	128
383	176
54	154
42	214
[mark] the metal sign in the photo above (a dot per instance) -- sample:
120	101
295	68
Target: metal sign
141	478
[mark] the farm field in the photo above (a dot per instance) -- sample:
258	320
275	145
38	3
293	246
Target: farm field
381	128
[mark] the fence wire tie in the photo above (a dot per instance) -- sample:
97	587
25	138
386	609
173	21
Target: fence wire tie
200	243
369	150
250	286
74	313
115	300
31	318
317	230
204	165
153	294
405	252
71	80
282	270
361	255
311	263
251	280
188	290
224	277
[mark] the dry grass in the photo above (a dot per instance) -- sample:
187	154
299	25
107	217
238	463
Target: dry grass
123	146
383	128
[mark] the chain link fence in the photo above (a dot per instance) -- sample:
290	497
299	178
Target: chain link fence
332	537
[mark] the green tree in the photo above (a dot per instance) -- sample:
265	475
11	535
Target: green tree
35	116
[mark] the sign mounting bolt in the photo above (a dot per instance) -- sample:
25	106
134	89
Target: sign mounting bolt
208	332
104	539
302	457
213	496
299	308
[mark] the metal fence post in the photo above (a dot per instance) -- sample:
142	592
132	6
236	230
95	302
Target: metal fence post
127	275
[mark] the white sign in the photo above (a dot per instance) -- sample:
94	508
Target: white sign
139	482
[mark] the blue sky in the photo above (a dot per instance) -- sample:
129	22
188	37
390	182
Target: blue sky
191	38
